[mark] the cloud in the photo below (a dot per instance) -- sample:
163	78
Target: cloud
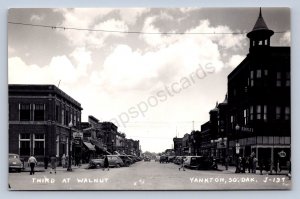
59	68
130	15
36	18
125	68
285	40
235	60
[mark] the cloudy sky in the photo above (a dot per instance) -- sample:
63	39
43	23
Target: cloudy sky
153	86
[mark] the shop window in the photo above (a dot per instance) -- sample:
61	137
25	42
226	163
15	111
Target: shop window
39	112
24	111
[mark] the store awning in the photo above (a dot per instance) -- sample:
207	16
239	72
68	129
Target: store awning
89	146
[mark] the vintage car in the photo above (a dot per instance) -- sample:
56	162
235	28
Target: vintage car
126	160
14	162
113	160
147	159
199	162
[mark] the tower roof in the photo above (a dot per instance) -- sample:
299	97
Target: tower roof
260	23
260	29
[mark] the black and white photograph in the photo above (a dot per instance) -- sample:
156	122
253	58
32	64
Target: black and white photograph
187	98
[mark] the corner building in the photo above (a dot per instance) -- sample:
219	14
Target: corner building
39	116
259	100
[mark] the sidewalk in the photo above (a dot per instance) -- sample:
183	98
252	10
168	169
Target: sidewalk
60	168
231	169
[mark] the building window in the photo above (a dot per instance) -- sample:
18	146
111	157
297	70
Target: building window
232	121
245	117
258	73
265	72
39	144
258	112
24	144
57	113
251	78
57	145
251	112
63	117
67	120
278	112
287	113
39	112
278	79
24	111
265	112
287	79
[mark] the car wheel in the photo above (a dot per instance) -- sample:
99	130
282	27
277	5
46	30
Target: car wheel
19	170
118	166
98	166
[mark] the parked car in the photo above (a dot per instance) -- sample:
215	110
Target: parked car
113	160
14	162
126	160
199	162
163	159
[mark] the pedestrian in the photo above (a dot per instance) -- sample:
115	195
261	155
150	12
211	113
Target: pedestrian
46	162
53	163
106	163
238	164
182	164
243	164
261	165
63	161
248	166
226	162
32	162
254	162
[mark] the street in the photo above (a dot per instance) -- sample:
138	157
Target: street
145	176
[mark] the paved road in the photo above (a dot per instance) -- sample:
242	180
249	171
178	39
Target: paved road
145	176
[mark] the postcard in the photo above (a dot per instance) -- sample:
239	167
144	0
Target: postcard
149	98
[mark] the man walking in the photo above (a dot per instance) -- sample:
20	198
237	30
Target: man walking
32	162
182	165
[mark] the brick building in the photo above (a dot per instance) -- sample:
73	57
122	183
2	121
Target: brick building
259	100
39	118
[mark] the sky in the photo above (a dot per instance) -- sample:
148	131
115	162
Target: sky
152	86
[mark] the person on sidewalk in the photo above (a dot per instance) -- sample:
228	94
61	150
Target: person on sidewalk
32	162
53	163
182	165
63	161
106	163
46	161
226	162
254	163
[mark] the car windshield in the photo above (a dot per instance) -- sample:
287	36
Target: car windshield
13	156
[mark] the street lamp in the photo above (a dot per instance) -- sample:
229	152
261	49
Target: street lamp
70	148
237	149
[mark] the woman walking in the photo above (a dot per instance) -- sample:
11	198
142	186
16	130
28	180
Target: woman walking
106	163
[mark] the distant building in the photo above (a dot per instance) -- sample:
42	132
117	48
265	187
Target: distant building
39	118
177	146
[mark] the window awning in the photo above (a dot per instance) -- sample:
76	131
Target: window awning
89	146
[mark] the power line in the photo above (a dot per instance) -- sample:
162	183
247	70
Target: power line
130	32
